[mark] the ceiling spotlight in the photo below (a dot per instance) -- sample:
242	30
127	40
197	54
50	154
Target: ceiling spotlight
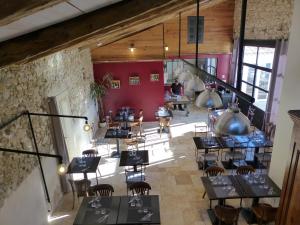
166	48
99	44
131	47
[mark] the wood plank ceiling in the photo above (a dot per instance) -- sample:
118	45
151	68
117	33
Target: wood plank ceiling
149	44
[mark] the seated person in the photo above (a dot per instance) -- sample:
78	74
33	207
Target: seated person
176	90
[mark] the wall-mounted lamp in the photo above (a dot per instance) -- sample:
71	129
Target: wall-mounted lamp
86	126
132	48
62	168
166	48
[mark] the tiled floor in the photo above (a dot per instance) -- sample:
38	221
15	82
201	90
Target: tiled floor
172	173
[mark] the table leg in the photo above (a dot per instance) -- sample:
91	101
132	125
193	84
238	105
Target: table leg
248	214
116	154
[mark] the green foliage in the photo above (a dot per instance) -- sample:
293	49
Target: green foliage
99	88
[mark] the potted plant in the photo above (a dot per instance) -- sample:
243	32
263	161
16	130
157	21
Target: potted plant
98	91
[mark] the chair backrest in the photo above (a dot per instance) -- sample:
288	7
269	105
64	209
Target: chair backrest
201	129
81	187
90	153
141	116
268	212
141	188
244	170
227	214
164	121
214	171
102	190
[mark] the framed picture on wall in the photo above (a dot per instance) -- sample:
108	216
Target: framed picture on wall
115	84
134	80
154	77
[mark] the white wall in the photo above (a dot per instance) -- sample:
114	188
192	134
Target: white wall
290	99
28	204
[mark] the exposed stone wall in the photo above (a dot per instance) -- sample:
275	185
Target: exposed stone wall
26	87
265	20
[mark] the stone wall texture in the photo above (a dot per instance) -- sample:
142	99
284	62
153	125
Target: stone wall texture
265	20
26	87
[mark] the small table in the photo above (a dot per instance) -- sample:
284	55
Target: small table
117	134
254	140
206	143
131	214
256	187
221	188
215	189
84	165
184	100
138	158
107	213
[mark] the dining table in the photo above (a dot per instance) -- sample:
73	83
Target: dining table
117	134
134	158
84	165
124	210
225	187
178	99
253	141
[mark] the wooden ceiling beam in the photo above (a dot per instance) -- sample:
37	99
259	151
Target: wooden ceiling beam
110	22
12	10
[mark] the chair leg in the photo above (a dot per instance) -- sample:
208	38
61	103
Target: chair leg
204	194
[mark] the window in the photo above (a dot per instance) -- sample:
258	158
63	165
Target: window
192	29
257	70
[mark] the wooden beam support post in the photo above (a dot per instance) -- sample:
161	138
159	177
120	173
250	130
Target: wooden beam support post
113	21
13	10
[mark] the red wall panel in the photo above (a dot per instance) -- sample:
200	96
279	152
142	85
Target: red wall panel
147	95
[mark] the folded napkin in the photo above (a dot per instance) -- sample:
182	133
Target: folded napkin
147	217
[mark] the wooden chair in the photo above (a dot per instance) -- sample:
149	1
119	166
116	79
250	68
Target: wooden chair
164	122
140	188
133	176
244	170
81	187
132	142
201	129
227	214
213	171
138	123
264	213
91	153
112	124
101	190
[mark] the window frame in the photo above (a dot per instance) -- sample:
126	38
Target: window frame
258	44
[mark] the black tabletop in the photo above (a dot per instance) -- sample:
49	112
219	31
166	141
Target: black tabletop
206	142
221	187
83	165
138	158
257	140
144	210
258	185
254	186
98	210
117	133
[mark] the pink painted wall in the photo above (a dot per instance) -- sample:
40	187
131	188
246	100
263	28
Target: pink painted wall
147	96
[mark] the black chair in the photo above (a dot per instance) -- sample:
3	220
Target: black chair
101	190
140	188
244	170
91	153
134	176
264	213
81	187
227	214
